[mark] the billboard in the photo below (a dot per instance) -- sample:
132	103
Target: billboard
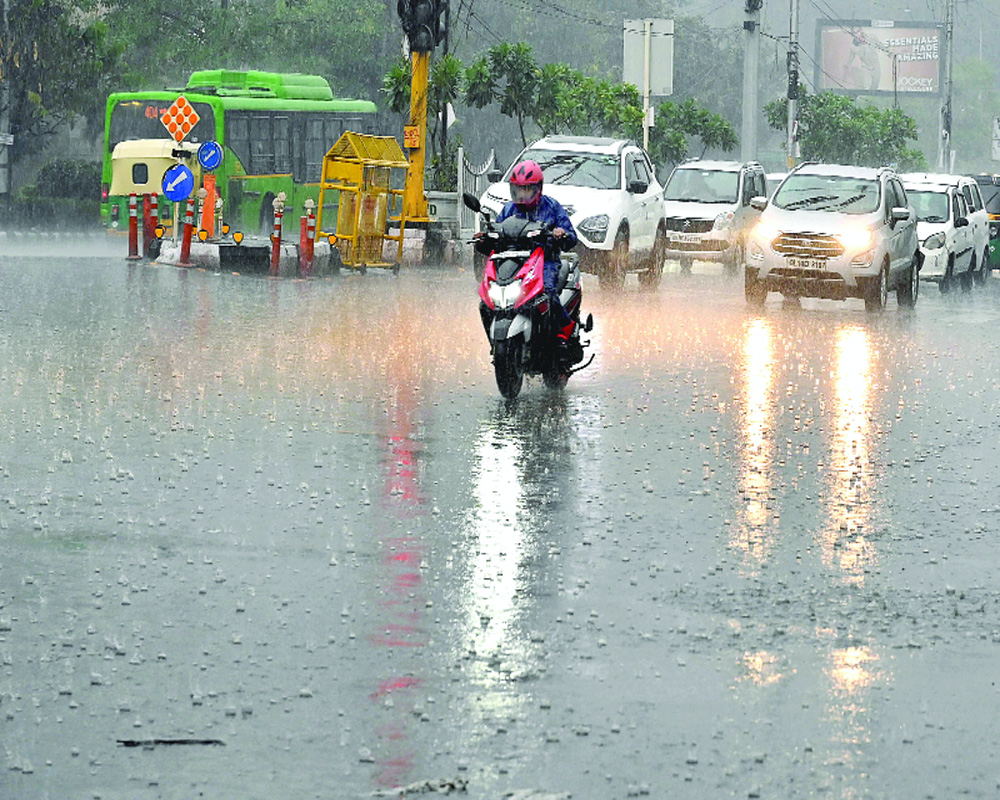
879	57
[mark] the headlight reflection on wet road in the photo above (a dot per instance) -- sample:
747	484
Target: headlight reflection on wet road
757	431
844	543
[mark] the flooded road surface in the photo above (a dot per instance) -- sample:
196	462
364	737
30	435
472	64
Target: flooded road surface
267	539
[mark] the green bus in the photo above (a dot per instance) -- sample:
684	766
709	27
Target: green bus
274	130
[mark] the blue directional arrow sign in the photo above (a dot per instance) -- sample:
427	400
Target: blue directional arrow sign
178	183
210	155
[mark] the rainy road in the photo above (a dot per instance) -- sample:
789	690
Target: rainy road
282	540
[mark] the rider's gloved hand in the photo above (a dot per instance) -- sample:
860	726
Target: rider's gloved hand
558	233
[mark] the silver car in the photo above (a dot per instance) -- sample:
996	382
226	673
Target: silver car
835	231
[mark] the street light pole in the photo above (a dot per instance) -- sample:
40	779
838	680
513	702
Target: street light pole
751	60
5	102
793	81
944	140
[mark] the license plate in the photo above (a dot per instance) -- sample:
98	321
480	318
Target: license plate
688	238
807	263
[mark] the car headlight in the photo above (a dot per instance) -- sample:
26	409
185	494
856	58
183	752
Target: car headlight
723	221
595	228
505	296
855	238
934	241
766	232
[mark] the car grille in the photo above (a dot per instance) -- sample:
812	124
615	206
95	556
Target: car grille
808	245
683	225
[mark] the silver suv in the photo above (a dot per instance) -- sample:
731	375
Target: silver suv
836	232
708	212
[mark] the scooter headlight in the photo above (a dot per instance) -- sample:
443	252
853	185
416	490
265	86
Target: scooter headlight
505	296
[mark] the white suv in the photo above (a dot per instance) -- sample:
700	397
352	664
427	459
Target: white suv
953	226
835	232
708	211
946	237
609	189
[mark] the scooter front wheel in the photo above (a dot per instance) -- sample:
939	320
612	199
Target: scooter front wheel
508	365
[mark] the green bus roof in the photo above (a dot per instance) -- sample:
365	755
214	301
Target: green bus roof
253	83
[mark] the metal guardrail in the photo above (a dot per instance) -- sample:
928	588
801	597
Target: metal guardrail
473	180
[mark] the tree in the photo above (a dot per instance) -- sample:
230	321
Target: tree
506	75
58	63
677	122
836	129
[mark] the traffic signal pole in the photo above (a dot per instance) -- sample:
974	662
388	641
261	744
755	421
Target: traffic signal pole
414	202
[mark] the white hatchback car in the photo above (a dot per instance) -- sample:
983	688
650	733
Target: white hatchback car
836	232
953	226
943	229
609	189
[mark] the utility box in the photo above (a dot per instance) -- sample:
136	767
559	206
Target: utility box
360	168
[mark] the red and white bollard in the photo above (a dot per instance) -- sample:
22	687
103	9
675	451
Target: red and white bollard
310	237
276	241
150	219
188	231
133	228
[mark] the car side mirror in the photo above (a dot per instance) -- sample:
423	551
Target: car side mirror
900	214
637	187
494	175
471	202
758	203
962	222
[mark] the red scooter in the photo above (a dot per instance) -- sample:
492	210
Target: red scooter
516	310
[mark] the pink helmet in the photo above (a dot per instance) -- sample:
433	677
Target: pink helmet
526	184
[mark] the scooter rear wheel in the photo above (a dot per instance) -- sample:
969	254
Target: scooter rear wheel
508	366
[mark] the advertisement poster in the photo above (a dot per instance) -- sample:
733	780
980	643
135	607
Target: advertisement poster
879	57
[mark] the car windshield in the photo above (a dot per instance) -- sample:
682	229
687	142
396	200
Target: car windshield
828	193
703	186
991	197
589	170
930	206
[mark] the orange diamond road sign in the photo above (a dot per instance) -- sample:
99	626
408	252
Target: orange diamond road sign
180	118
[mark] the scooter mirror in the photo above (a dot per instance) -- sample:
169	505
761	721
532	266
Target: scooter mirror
471	202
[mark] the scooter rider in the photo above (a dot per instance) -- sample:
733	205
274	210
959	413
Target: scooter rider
528	202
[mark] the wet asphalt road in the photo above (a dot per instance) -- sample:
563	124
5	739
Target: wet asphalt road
281	539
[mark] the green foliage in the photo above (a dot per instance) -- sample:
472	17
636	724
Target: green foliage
837	130
58	63
669	140
74	180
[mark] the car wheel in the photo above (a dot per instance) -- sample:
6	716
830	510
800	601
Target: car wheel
906	294
735	259
984	268
949	276
650	279
969	276
877	291
754	289
612	275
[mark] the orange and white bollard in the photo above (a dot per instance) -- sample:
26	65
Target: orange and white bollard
188	231
303	255
310	239
276	242
150	219
133	228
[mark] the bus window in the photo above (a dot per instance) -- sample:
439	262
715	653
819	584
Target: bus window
238	136
281	136
261	145
140	119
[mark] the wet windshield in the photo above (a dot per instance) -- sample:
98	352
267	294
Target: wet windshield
991	197
703	186
930	206
589	170
828	193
